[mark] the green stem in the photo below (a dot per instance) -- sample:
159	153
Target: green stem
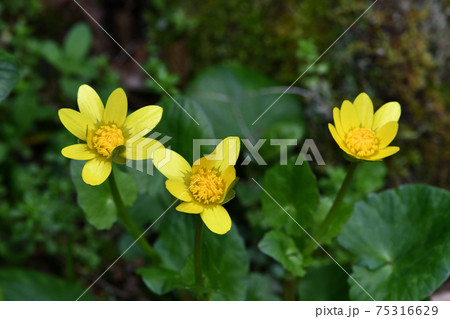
332	213
289	286
198	252
128	222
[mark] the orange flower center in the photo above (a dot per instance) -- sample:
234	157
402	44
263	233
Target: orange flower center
362	142
107	138
206	186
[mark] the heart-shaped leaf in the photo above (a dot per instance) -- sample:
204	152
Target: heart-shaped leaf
402	241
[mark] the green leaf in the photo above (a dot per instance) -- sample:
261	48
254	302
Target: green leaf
160	281
29	285
401	239
283	249
237	96
225	261
9	74
260	288
52	53
176	240
225	264
96	201
328	282
294	188
78	41
177	124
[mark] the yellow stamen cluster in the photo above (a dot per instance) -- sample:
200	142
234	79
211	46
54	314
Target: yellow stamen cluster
362	142
107	138
207	187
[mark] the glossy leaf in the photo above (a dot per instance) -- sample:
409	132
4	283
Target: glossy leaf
294	188
283	249
160	281
226	265
225	261
401	239
96	201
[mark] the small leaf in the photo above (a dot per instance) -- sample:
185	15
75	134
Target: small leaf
158	280
402	241
283	249
225	261
96	201
78	41
227	265
294	188
9	75
29	285
52	53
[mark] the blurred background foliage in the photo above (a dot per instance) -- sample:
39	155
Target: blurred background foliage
226	61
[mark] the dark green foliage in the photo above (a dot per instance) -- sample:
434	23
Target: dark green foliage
401	241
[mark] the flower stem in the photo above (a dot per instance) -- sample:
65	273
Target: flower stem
332	213
289	286
198	252
128	222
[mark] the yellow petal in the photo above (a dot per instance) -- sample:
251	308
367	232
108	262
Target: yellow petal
143	120
389	112
116	108
206	162
349	116
337	122
216	218
171	164
225	154
90	104
385	152
75	122
190	207
78	152
386	134
228	176
96	171
337	138
141	148
364	107
179	189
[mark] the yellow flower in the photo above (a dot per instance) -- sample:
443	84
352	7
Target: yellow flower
107	134
204	187
361	133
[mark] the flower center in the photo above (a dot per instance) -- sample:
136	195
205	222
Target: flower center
206	186
107	138
362	142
